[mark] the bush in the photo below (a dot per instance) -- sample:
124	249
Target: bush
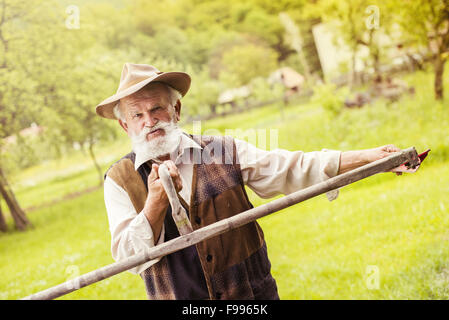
262	91
331	99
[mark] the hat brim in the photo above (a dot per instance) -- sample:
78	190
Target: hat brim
177	80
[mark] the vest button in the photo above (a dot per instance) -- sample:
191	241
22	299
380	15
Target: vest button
208	258
197	220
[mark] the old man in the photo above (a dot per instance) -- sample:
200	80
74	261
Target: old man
233	265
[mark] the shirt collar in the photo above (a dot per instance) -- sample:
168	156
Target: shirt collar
185	143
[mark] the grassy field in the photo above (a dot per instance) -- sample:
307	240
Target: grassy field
385	237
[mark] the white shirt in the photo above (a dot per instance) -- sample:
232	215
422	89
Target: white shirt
267	173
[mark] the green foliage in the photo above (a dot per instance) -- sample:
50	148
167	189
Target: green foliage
177	49
202	98
26	152
428	16
243	63
262	25
262	90
153	15
328	97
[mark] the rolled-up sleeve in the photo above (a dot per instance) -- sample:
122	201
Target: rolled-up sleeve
269	173
131	232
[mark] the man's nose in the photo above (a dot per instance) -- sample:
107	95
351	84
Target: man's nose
150	120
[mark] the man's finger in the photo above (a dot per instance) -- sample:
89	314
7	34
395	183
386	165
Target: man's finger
403	168
390	148
178	184
172	169
154	174
174	174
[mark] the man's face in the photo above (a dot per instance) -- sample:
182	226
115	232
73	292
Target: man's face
147	108
150	121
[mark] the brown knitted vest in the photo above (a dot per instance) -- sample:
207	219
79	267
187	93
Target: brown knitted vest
233	265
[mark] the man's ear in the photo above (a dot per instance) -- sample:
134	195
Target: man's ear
178	110
123	124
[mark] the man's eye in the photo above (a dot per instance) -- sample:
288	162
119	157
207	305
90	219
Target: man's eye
137	115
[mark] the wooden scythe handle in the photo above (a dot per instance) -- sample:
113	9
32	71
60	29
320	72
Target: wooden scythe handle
178	212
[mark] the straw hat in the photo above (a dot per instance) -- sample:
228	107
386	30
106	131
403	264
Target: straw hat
134	77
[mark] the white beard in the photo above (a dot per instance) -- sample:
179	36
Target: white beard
158	146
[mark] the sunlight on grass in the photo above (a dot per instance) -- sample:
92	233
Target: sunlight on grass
321	250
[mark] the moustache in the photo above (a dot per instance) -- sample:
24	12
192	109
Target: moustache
146	130
165	126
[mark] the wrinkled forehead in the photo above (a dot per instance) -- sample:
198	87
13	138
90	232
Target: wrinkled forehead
154	93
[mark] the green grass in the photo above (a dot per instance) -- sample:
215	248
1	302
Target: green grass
68	238
322	250
318	249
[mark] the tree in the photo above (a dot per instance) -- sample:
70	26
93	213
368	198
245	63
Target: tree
37	53
426	22
83	71
267	28
17	101
73	118
358	24
3	226
296	42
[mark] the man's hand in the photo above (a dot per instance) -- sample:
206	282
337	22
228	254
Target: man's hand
353	159
380	152
157	202
384	151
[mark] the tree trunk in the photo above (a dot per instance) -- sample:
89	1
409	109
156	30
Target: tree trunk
354	80
97	166
213	109
439	70
375	53
20	219
3	226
